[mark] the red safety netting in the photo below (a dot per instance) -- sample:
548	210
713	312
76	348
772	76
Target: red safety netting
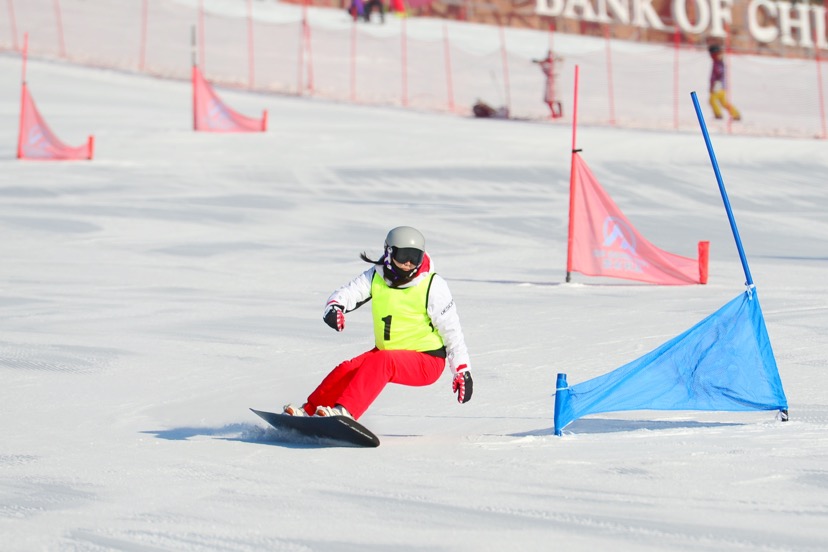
421	64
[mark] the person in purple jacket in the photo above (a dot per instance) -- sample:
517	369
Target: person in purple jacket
357	9
718	87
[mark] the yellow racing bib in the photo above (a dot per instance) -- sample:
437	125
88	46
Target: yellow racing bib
401	321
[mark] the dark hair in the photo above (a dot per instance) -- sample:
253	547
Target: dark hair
714	48
367	259
393	275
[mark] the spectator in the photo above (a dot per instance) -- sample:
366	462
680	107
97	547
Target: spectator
547	65
718	86
357	9
370	5
398	7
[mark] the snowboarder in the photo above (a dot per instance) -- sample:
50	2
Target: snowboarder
718	88
547	65
417	331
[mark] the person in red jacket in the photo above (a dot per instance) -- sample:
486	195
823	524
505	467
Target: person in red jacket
417	331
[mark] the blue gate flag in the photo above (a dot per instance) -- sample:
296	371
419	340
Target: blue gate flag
725	362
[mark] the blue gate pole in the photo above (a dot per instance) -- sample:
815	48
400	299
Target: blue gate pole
561	387
749	278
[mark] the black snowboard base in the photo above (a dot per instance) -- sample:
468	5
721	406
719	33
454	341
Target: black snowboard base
337	428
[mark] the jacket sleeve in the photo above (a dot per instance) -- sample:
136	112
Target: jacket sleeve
353	294
443	314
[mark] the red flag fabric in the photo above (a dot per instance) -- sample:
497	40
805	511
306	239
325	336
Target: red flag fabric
604	243
210	114
37	141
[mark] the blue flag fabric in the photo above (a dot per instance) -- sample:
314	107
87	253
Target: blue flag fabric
725	362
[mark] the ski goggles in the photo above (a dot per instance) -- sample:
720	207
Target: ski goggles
408	255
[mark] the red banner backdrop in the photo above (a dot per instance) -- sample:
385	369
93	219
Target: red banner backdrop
210	114
37	141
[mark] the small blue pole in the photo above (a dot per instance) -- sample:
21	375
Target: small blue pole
749	278
560	388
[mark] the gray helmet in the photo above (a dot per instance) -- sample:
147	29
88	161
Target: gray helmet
405	237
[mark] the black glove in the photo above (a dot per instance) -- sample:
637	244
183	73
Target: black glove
334	317
462	385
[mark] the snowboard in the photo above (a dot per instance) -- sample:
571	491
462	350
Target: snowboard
336	428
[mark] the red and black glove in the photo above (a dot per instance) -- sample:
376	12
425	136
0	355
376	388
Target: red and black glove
462	384
334	317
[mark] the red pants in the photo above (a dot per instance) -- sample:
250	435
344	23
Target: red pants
356	383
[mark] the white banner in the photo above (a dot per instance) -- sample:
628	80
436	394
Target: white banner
799	24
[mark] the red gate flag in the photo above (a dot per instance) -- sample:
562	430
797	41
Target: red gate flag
37	141
604	243
210	114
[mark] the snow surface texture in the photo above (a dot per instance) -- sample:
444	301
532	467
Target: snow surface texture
153	295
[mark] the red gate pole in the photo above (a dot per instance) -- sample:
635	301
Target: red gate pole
202	60
13	25
22	96
193	73
505	58
300	66
59	19
25	55
820	89
308	44
449	87
572	181
404	62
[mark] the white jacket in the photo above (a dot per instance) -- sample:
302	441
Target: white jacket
441	309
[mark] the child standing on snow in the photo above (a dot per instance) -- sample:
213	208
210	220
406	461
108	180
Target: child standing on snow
417	331
718	88
547	65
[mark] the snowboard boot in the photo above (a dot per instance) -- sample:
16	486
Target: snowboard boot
337	410
293	410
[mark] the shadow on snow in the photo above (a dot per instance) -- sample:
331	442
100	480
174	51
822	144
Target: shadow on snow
248	433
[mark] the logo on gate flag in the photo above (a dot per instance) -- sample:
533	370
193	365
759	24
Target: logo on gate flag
618	250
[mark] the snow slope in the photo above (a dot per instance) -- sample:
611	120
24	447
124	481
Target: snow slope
150	297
